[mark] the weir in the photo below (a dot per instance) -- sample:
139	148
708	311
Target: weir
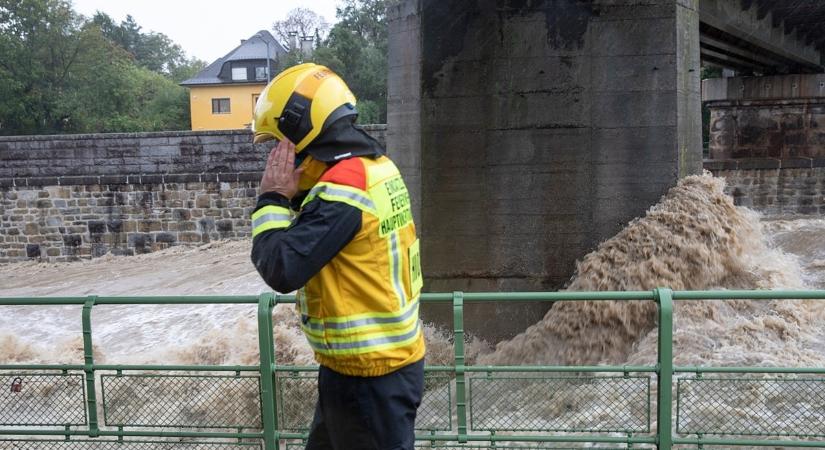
269	405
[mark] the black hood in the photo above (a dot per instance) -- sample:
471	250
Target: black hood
343	139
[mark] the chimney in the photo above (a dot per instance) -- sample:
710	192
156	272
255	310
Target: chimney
293	40
306	45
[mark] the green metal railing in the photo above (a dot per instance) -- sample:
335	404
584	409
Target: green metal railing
91	405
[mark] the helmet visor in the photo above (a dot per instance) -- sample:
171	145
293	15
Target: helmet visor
262	137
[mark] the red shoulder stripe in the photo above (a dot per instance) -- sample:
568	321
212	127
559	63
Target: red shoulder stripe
349	172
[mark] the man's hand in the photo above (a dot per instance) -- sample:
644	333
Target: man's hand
280	174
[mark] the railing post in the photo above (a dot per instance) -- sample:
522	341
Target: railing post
266	348
664	298
460	378
89	366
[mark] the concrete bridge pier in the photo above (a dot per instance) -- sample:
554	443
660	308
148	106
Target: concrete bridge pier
532	130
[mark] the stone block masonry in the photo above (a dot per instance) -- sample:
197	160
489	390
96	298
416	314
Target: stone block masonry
775	187
767	137
61	223
69	197
781	117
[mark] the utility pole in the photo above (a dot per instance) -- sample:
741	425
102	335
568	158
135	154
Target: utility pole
266	42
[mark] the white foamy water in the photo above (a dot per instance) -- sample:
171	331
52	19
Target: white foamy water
153	334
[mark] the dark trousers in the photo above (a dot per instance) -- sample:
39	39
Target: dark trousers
367	413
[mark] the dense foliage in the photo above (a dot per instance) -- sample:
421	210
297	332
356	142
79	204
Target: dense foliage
356	49
63	73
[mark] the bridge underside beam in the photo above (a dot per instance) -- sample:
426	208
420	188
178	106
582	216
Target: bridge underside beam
758	36
805	17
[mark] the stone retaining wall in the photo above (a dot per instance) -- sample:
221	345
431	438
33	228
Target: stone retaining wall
779	116
67	197
773	186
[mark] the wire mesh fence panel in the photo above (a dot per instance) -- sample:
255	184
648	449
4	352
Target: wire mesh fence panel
297	396
42	399
435	412
751	406
185	401
123	445
567	404
497	446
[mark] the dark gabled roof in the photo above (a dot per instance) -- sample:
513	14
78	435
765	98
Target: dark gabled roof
250	49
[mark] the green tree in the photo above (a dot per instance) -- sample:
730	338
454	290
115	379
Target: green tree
61	73
154	51
356	49
299	23
43	45
187	70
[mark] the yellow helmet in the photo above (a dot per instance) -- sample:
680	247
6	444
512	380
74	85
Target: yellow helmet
300	103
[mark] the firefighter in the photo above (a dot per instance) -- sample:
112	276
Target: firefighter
333	221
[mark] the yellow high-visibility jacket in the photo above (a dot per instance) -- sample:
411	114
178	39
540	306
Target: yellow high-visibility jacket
359	312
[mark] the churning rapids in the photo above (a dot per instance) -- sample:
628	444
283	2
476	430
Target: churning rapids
694	238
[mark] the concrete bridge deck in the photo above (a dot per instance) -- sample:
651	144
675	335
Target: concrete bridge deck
763	36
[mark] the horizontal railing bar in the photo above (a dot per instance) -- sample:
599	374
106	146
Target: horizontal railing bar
749	295
515	438
130	367
41	301
557	296
183	434
195	434
279	368
617	369
447	297
439	368
748	442
610	295
432	297
42	367
157	300
180	368
179	300
251	444
799	370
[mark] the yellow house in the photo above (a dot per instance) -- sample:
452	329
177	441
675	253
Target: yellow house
223	95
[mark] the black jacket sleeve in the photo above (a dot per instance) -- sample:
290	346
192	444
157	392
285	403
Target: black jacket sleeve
287	258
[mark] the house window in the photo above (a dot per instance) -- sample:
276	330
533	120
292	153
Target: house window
239	74
220	106
260	73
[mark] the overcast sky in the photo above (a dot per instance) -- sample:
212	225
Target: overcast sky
207	29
